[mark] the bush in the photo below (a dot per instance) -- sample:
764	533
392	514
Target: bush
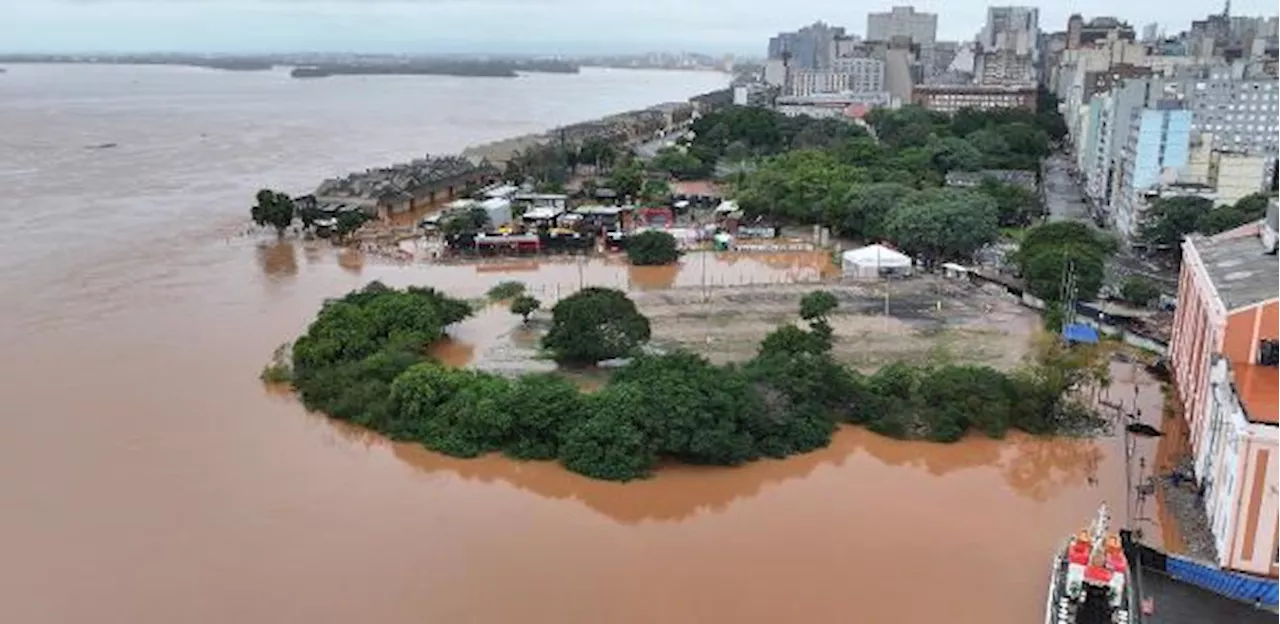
524	305
506	290
1139	290
595	324
609	444
547	407
652	248
345	362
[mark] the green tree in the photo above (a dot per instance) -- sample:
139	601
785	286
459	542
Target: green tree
345	362
943	224
1170	219
273	209
1254	206
1139	290
595	324
655	190
803	186
861	212
679	163
468	221
610	444
524	305
955	154
504	290
651	248
1067	233
548	406
1017	206
817	305
627	179
1045	271
349	222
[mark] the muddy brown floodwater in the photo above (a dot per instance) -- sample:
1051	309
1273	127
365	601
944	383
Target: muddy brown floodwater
147	476
159	481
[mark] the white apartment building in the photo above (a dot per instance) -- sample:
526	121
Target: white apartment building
854	75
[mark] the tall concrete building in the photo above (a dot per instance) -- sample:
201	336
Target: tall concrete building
1239	111
811	47
849	75
1011	28
904	21
1158	142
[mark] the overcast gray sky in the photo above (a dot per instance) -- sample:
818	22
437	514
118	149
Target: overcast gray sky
535	26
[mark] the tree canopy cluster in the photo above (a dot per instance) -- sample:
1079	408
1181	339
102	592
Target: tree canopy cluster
363	360
274	209
1049	252
888	185
652	248
551	165
1169	219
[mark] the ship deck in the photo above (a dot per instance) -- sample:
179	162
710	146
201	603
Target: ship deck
1180	603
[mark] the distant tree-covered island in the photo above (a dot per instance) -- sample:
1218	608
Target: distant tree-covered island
319	66
437	67
364	360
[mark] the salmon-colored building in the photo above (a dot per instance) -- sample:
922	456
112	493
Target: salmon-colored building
1223	358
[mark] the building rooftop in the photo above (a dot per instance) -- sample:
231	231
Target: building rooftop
1238	267
1257	386
977	88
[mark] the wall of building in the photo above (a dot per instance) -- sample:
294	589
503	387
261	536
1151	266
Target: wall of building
1238	175
1218	464
1236	466
921	27
1198	325
1253	547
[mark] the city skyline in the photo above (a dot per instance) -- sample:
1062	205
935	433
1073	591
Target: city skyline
493	26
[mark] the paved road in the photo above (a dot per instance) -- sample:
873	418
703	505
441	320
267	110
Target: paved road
1063	198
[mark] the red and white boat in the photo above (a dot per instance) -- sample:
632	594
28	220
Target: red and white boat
1090	581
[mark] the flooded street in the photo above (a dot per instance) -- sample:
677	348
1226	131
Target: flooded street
148	476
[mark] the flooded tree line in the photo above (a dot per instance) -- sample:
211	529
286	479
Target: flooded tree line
364	360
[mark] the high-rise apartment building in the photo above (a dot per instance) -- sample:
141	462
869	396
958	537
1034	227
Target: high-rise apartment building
904	21
811	47
1240	112
1011	28
847	75
1004	67
1159	139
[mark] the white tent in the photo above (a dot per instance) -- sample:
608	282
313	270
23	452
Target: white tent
873	261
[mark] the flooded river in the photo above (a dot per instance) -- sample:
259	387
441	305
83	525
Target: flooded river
147	476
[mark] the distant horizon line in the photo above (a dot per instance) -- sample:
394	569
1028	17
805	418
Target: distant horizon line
209	53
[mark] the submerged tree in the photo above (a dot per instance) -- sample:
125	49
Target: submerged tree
273	209
651	248
524	305
595	324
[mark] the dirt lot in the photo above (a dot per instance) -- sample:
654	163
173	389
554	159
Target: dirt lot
928	318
